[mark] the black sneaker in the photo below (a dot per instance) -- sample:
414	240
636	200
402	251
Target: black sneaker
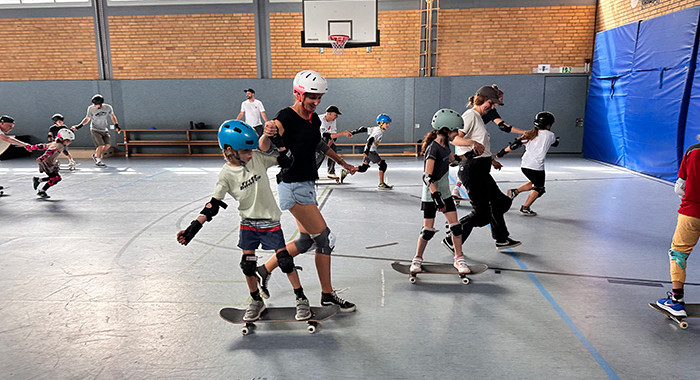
35	182
526	211
508	243
447	243
42	194
328	299
512	193
263	279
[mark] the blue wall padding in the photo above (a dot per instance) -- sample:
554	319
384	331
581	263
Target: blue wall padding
651	119
603	134
613	53
642	126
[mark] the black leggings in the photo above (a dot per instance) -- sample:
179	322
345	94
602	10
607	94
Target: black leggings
488	202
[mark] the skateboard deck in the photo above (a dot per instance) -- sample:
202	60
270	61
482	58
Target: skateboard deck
277	315
692	309
439	269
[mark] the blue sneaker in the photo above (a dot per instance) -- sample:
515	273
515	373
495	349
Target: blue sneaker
676	308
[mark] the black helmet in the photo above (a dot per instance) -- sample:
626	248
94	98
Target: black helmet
56	117
97	99
544	119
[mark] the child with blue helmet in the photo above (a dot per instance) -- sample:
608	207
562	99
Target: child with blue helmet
244	177
374	137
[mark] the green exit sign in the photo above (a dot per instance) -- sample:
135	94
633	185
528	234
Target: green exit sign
565	69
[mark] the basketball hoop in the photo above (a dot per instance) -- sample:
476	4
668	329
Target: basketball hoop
338	42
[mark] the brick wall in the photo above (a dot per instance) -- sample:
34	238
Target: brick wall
613	13
483	41
183	46
47	49
396	57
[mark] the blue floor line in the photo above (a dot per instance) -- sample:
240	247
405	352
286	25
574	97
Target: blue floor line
596	355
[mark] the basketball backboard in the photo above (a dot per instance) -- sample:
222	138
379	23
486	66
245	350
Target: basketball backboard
355	18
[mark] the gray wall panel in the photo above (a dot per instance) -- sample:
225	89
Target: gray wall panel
172	103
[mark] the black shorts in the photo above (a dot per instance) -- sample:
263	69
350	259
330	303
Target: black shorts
430	209
535	176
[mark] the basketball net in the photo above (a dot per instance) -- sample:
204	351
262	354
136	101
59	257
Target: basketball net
338	42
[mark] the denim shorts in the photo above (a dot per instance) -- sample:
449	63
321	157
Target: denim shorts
303	193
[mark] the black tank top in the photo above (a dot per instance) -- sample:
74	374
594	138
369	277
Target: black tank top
301	136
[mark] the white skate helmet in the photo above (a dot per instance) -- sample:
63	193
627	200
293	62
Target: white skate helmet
66	134
309	81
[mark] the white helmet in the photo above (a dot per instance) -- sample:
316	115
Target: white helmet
66	134
309	81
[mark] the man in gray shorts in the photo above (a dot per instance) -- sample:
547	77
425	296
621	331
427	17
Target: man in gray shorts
98	115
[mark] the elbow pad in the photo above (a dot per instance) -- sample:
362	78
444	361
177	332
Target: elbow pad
212	208
556	142
427	179
505	128
679	188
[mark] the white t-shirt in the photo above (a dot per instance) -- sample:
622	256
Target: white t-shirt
253	112
100	117
250	186
536	149
474	129
327	126
376	132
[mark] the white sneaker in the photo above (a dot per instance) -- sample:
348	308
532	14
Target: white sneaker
461	265
416	265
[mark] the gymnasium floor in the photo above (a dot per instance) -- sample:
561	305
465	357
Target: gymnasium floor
94	285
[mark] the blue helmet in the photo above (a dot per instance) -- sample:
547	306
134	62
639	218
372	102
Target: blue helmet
383	118
237	135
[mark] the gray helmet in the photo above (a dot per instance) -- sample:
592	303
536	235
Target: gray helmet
447	118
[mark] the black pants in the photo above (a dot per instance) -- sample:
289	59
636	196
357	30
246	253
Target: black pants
330	162
488	202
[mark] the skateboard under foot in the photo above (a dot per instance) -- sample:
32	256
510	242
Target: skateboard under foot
439	269
279	314
692	309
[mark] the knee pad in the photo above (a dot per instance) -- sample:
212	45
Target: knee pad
678	263
427	233
325	242
456	229
249	265
54	180
540	191
363	168
285	261
303	242
382	165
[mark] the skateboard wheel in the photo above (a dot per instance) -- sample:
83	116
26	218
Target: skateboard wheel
683	325
465	280
245	331
412	279
311	329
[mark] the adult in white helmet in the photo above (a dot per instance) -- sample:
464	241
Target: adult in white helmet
298	129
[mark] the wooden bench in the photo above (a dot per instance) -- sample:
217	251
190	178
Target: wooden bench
131	140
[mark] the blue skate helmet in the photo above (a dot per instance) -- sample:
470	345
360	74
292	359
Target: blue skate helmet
383	118
237	135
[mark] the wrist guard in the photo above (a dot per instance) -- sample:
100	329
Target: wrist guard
192	230
285	159
517	143
501	153
556	142
212	208
359	130
77	126
437	198
277	140
30	147
116	127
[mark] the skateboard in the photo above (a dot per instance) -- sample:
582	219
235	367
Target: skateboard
439	269
692	309
279	314
335	178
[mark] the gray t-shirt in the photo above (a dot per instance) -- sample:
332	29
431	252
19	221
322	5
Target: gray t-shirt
100	117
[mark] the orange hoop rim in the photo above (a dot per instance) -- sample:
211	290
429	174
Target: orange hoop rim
339	38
